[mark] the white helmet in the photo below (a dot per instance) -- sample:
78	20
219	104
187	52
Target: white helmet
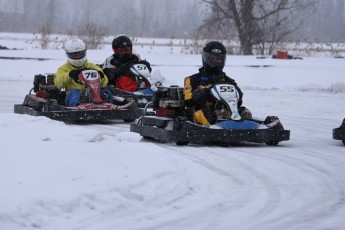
76	52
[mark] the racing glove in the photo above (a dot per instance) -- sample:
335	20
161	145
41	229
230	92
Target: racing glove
200	96
101	74
74	74
147	64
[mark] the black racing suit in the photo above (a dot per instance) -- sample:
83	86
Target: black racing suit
196	93
114	68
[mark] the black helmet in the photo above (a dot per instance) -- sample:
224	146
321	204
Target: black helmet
122	47
213	56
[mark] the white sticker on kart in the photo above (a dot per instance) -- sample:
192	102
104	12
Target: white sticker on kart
90	75
227	91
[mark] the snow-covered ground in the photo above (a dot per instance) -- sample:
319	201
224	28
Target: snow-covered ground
57	176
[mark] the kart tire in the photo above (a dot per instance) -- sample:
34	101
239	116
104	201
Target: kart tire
224	144
272	143
343	142
181	143
128	120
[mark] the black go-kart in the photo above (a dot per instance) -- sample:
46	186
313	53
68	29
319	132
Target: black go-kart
171	121
44	99
339	133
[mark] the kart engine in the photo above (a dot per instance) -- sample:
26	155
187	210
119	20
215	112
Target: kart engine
168	101
44	81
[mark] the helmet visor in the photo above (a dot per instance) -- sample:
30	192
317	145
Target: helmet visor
123	50
214	60
77	55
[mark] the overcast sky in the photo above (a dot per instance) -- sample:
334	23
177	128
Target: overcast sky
145	18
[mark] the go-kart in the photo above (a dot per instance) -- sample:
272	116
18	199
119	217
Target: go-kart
146	85
44	99
171	121
339	133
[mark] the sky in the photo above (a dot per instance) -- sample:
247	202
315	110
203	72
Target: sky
57	176
150	18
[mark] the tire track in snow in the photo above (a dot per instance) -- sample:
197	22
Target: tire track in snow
273	214
226	211
262	183
318	206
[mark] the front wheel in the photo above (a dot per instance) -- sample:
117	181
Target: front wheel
181	143
128	120
224	144
272	143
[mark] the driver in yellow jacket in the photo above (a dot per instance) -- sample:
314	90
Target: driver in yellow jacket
67	74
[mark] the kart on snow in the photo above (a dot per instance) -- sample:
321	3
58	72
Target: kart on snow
48	101
171	121
146	85
339	133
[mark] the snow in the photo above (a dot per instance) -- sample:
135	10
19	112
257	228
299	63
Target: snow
57	176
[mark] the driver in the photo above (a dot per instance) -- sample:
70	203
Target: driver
116	66
197	87
67	74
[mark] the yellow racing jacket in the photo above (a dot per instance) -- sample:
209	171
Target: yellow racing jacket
62	79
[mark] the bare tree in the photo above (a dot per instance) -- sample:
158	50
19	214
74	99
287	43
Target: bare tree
92	35
258	22
45	32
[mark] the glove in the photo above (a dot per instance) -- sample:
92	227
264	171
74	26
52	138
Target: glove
200	96
101	74
147	64
74	74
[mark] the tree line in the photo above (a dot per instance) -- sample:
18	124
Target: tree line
256	24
